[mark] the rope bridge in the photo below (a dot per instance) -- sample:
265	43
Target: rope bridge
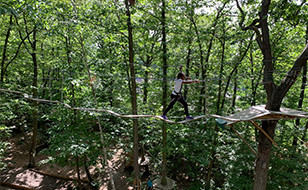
253	113
26	96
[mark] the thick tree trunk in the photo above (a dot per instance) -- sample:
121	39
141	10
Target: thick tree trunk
265	146
275	95
264	154
133	95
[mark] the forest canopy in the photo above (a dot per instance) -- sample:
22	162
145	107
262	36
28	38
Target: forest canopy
124	56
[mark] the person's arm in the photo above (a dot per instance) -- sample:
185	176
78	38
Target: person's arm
190	81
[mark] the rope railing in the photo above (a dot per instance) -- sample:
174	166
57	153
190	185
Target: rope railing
26	96
229	120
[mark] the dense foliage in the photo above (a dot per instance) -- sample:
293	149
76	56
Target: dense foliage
72	40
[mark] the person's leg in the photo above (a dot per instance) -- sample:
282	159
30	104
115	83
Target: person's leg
171	104
184	103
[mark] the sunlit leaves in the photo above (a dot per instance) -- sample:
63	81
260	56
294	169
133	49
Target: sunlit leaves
99	27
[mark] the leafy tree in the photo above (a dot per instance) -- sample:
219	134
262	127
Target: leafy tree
275	93
93	54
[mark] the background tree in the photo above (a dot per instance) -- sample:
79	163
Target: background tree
86	46
275	93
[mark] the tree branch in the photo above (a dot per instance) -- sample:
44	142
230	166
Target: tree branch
255	25
17	51
20	35
292	75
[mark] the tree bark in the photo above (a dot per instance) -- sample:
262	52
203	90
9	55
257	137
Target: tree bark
4	57
165	67
275	95
78	173
147	62
34	93
188	59
203	67
215	140
302	95
300	102
234	91
223	43
146	84
264	153
133	94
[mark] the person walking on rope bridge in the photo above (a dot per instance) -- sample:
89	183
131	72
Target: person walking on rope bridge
177	96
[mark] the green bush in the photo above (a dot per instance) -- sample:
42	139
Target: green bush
4	145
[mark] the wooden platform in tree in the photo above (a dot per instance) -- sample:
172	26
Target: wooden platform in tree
260	113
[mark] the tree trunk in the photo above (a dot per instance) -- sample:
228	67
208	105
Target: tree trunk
86	167
133	94
300	101
242	56
265	146
213	152
34	93
275	95
211	166
4	57
220	74
145	86
204	62
165	66
188	59
234	92
304	138
203	67
78	173
254	78
146	78
147	62
302	95
264	153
